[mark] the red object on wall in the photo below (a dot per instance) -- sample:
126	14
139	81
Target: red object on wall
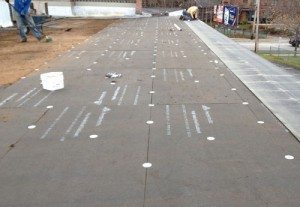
220	13
138	7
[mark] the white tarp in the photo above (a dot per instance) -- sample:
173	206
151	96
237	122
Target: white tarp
98	11
5	20
91	11
61	11
175	13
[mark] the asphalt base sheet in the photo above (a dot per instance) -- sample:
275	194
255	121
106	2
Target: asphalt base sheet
176	129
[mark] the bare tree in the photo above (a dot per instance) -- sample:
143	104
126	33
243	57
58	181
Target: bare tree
286	15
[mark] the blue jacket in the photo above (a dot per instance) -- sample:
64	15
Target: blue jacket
22	6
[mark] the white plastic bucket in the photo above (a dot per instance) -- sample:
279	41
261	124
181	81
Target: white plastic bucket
52	81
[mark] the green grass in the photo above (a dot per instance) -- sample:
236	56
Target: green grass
245	26
283	60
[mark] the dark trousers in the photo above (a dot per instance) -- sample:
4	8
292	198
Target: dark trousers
186	16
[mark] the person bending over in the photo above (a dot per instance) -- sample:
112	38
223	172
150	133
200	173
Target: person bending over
194	12
191	13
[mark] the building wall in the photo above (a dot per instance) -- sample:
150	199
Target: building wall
54	8
60	8
40	7
103	9
69	8
5	19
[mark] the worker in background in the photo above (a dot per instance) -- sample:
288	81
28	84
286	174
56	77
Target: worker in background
190	14
24	19
194	12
